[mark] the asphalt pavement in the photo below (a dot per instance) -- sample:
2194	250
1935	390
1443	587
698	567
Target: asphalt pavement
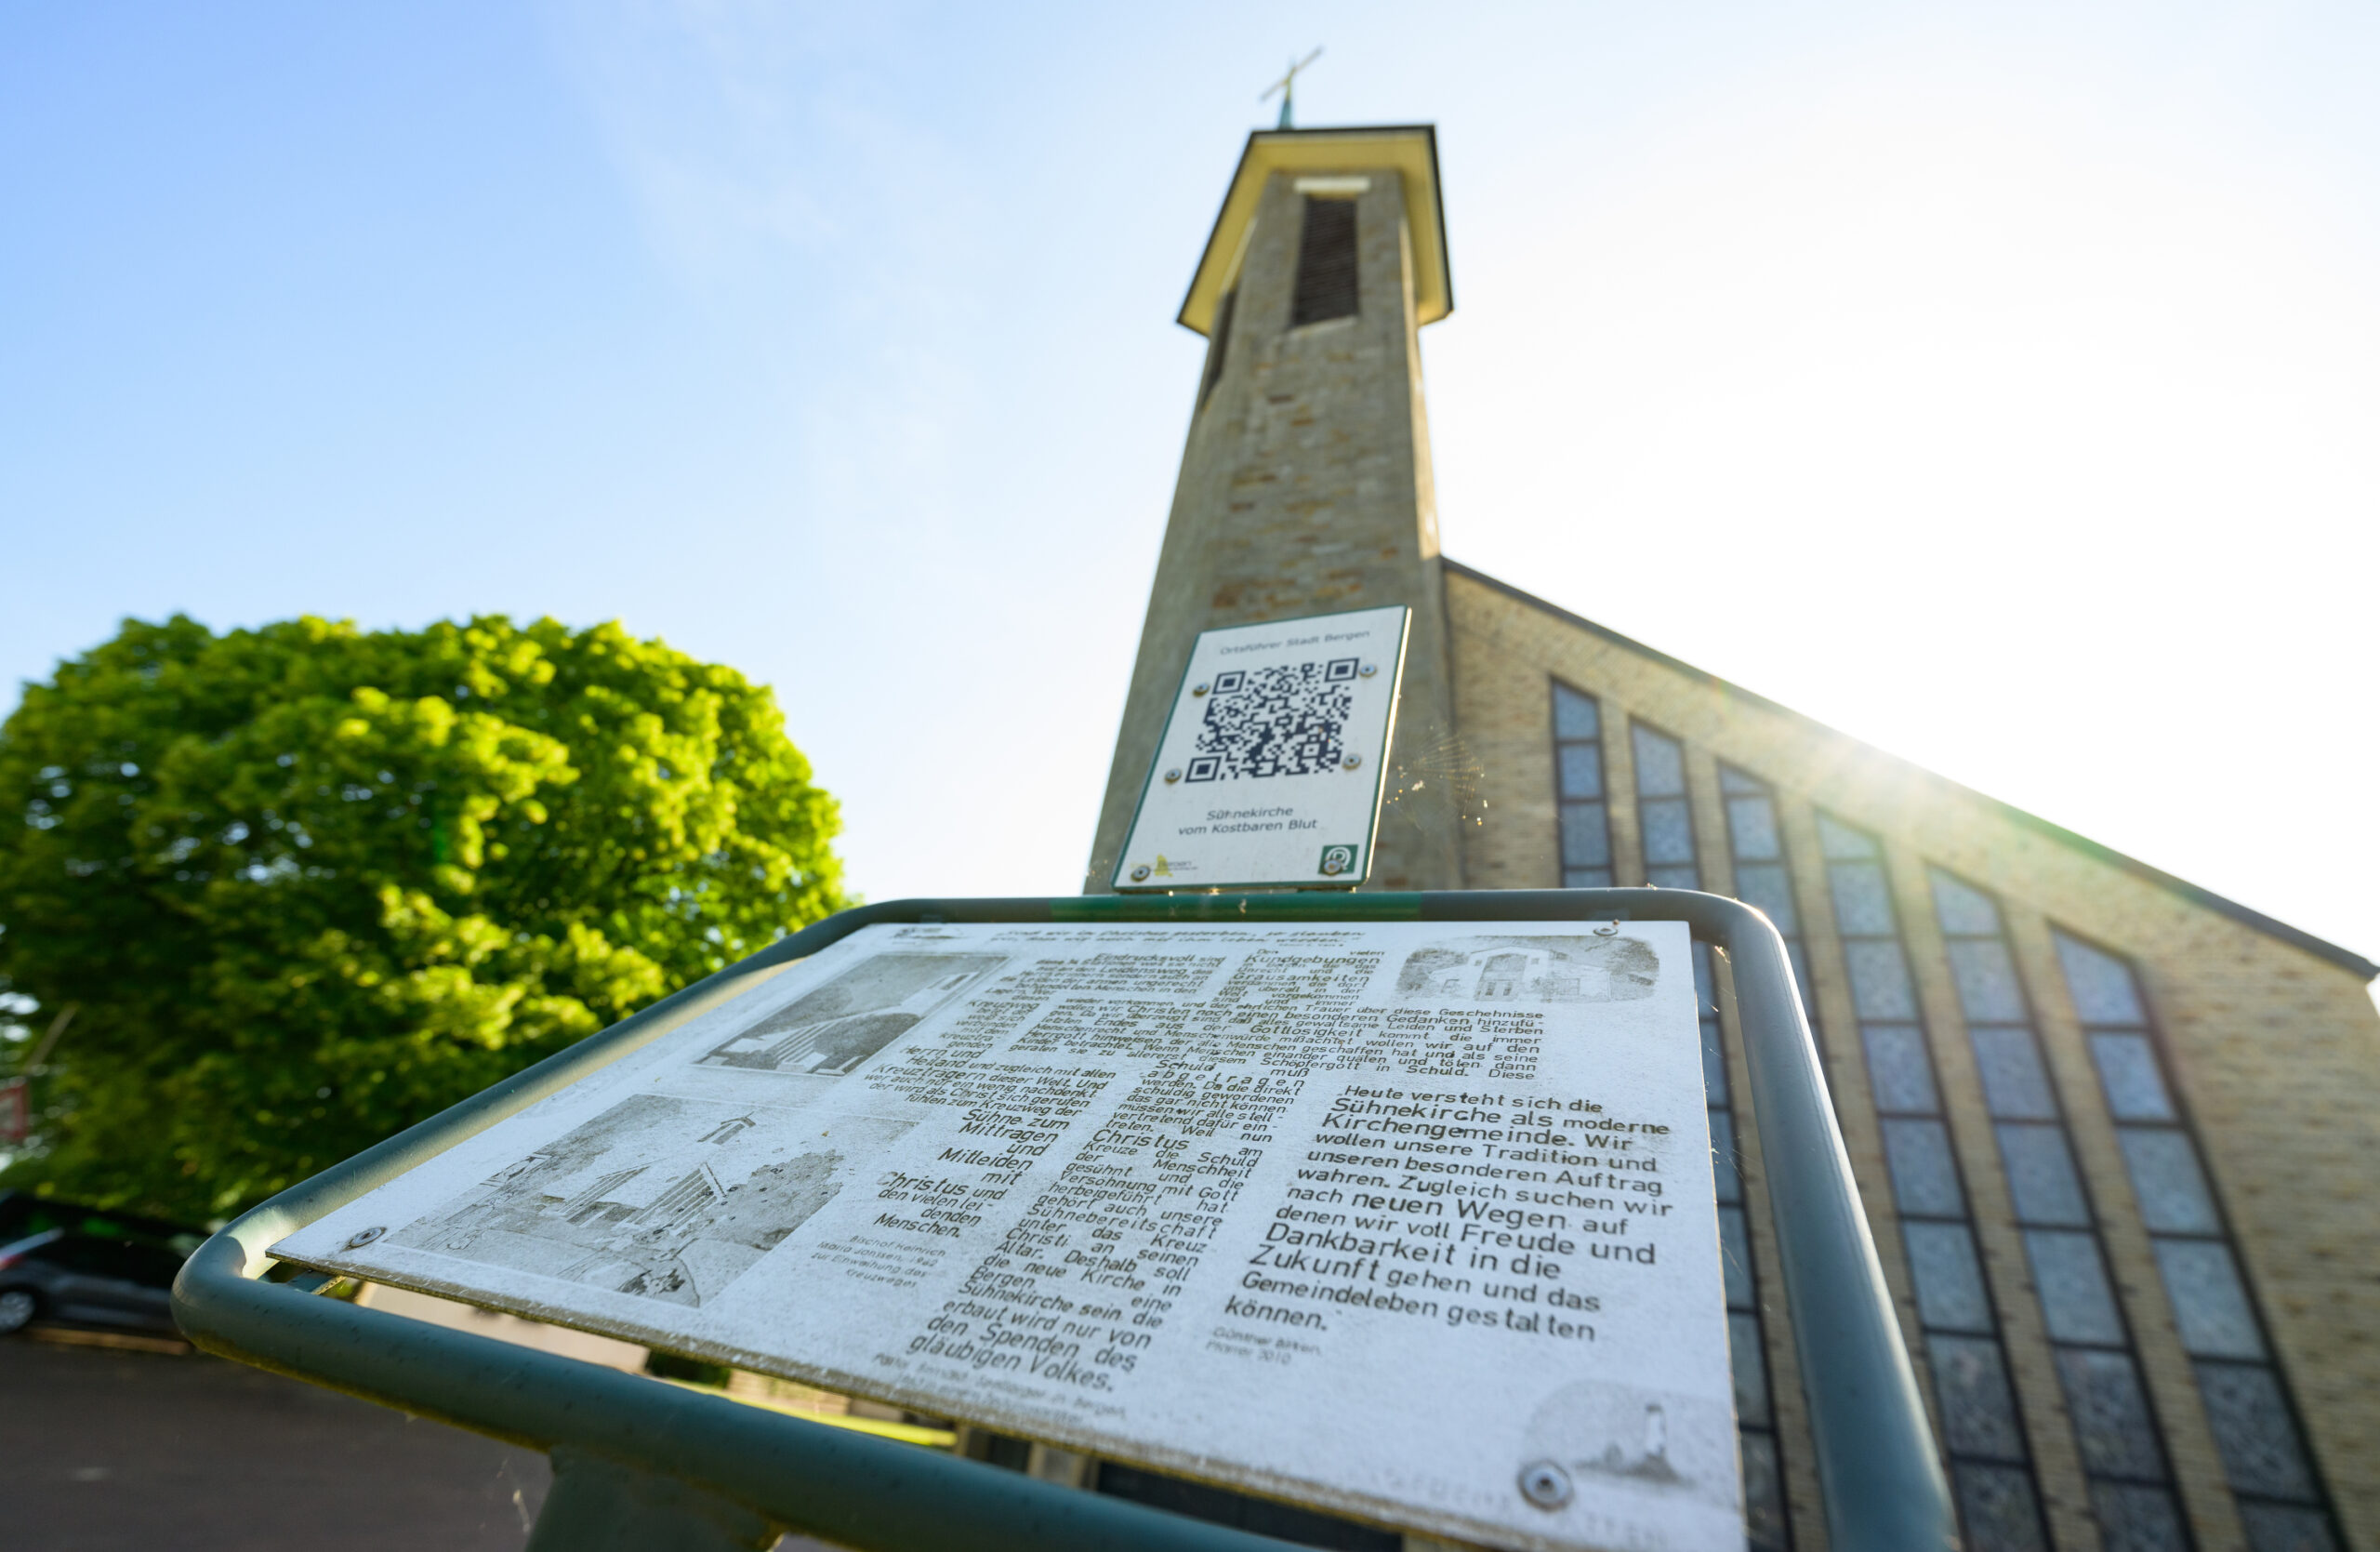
104	1450
108	1451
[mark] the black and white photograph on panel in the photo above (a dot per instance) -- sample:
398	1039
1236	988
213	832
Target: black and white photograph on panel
660	1197
1591	968
831	1031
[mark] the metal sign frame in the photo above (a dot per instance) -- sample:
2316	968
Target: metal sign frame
640	1464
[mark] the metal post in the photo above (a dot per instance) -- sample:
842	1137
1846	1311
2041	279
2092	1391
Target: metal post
601	1505
1883	1486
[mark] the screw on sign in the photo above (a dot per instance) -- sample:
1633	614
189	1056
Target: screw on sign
1545	1484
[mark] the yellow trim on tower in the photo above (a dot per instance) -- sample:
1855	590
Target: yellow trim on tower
1410	150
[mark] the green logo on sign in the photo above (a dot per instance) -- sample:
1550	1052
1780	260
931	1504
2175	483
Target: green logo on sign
1337	860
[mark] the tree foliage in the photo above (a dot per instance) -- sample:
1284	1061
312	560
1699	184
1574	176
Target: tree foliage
310	884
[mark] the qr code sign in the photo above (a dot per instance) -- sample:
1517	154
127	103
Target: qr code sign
1286	721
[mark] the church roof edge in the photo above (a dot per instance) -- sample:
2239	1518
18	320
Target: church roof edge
1410	149
2346	958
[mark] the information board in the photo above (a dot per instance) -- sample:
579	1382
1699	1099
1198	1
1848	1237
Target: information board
1271	766
1409	1221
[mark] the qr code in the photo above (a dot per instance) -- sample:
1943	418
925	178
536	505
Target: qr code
1286	721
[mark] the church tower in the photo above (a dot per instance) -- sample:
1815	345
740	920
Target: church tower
2115	1132
1305	484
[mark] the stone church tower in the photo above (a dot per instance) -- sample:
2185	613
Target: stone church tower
2116	1135
1305	485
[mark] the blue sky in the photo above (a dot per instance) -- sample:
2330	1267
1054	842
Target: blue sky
1996	383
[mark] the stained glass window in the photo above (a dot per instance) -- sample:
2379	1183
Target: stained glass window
1756	846
2281	1502
1991	1464
1662	816
1666	823
1578	790
2115	1432
1765	1519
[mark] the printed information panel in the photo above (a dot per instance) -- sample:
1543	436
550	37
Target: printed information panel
1271	766
1410	1221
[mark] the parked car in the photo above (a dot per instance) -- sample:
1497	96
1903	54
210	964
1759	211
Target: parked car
89	1280
24	1214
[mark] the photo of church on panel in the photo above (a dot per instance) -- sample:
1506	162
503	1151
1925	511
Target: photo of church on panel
2115	1132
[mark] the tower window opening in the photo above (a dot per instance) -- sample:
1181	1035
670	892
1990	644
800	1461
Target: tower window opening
1326	284
1218	344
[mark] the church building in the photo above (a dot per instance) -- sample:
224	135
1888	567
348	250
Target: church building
2117	1136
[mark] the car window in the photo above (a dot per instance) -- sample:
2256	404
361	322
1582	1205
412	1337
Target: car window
27	1247
73	1253
133	1262
151	1264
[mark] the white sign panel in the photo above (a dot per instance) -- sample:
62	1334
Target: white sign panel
1271	766
1408	1221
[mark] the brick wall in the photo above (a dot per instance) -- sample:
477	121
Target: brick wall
2276	1048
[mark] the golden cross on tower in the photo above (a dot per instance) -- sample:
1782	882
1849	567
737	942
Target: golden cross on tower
1287	85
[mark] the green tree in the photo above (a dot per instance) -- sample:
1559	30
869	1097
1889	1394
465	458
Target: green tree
310	884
